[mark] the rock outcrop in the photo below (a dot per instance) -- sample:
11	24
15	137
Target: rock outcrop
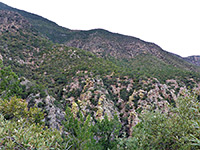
12	21
53	114
120	96
193	59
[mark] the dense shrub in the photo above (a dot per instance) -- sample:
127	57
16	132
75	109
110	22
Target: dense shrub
9	83
23	135
78	130
83	134
15	109
176	130
107	130
23	128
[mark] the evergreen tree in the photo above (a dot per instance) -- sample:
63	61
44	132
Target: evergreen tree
107	131
78	130
9	83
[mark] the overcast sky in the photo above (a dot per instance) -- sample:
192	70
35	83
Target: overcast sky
172	24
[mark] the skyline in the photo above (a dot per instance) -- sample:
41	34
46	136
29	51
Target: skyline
174	26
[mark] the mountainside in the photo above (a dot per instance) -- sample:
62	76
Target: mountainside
105	44
101	42
94	74
193	59
44	26
12	22
100	85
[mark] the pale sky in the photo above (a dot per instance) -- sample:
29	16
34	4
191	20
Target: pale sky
174	25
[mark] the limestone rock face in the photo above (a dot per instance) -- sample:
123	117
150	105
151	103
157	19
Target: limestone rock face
108	96
26	83
53	114
92	98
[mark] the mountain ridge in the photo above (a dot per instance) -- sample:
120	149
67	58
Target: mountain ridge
93	74
117	48
195	59
63	32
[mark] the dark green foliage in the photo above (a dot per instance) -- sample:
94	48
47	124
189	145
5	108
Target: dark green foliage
9	83
124	94
147	65
107	131
75	93
84	135
15	109
136	99
178	130
22	135
53	65
78	130
198	98
94	102
31	53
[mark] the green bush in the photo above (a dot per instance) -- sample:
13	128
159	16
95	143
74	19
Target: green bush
24	135
15	109
124	94
78	130
9	83
107	130
177	130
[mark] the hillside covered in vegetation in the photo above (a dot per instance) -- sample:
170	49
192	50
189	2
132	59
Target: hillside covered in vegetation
65	89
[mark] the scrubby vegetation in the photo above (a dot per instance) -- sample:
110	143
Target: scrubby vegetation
23	128
178	129
117	95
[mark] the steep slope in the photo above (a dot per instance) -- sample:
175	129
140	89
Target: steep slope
101	42
193	59
12	22
37	58
44	26
53	65
91	84
105	44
